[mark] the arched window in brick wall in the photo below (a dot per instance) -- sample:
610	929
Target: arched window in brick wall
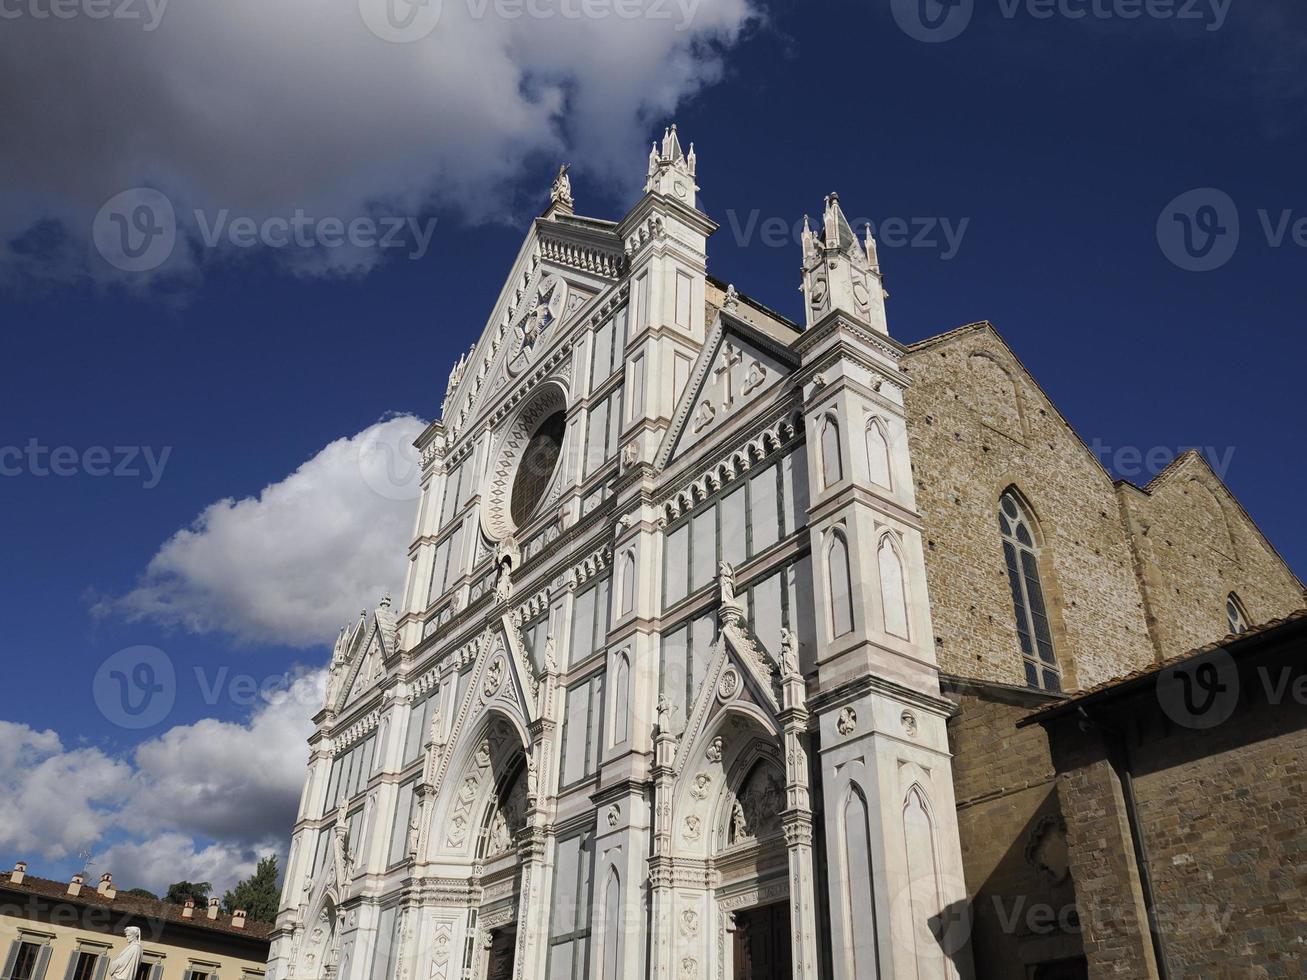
1235	614
1021	553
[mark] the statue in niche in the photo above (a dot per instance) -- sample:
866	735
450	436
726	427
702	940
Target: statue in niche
508	819
757	810
789	652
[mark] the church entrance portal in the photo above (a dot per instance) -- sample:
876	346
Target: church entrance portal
762	943
500	965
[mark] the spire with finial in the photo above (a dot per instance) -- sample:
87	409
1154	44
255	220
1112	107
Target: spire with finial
839	272
671	170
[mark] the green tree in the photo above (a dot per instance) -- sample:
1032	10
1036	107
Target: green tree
141	893
258	894
196	891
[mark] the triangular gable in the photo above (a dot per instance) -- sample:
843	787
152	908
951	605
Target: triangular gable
737	366
361	664
500	681
584	257
739	676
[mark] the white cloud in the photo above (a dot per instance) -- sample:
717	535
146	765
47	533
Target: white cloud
261	108
299	561
229	781
201	802
157	863
55	800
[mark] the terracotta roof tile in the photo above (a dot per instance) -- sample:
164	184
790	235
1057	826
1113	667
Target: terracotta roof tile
1232	643
147	908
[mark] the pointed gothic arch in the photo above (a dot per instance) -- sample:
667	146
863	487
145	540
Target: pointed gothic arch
879	459
893	586
620	713
626	582
1236	616
1023	548
832	463
859	900
482	761
612	934
839	583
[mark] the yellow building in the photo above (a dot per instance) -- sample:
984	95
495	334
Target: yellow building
51	930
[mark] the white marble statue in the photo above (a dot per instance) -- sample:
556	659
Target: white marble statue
126	963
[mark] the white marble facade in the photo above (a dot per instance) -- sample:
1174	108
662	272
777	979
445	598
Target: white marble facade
660	698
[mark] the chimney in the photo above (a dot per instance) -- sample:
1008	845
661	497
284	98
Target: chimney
75	886
19	873
213	908
106	886
188	910
238	919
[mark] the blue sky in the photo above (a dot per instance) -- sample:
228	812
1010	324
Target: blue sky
1018	172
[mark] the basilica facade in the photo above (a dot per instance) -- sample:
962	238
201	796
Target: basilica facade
696	600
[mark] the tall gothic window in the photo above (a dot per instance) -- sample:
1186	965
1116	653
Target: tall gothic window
1235	615
840	585
831	469
1022	556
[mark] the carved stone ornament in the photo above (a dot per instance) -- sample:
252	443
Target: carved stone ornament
614	815
543	311
729	685
847	721
909	722
689	923
693	828
495	676
702	782
716	748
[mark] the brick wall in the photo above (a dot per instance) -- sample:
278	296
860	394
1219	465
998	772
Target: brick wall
1012	833
1224	819
977	425
1221	816
1196	546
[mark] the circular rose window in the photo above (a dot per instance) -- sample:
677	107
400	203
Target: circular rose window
536	471
525	463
